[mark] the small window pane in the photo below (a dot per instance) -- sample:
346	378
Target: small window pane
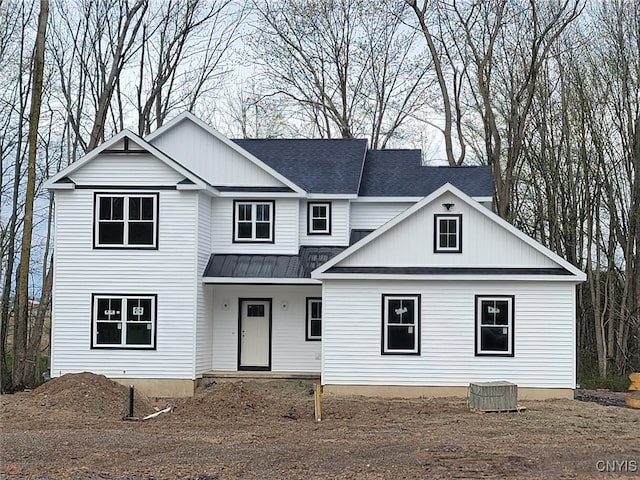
244	230
495	339
262	213
263	230
316	309
319	224
109	333
255	310
105	208
141	233
495	312
316	328
319	211
139	310
401	311
134	208
401	337
147	208
111	233
139	334
109	309
244	212
117	208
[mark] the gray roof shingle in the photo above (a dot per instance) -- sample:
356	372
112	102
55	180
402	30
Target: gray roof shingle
401	173
317	165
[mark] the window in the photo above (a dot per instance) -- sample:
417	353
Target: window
126	221
401	324
314	318
448	234
124	321
494	325
318	218
253	221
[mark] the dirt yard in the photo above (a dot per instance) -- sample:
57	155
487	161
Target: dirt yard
72	427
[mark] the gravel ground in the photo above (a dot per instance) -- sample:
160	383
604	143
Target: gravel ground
72	427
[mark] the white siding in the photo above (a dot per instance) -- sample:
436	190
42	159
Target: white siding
204	322
484	243
122	169
286	229
290	352
339	225
168	272
544	335
371	215
211	159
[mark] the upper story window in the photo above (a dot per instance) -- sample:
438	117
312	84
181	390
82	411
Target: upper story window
448	234
494	325
124	321
319	218
126	220
314	318
401	324
253	221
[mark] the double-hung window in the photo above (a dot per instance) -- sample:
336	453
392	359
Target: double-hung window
126	221
124	321
401	324
319	218
314	319
448	234
494	325
253	221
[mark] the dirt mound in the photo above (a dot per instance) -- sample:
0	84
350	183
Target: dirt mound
90	394
250	399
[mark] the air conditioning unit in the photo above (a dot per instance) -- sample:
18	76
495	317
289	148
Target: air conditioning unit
493	396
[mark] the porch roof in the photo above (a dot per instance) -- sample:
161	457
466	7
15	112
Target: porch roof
250	266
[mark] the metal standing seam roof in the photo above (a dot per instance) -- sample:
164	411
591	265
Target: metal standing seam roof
332	166
270	266
401	173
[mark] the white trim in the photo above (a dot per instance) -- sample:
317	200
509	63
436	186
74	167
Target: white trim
332	196
509	326
311	218
458	277
309	318
260	281
416	323
577	275
212	131
52	185
253	221
269	195
457	218
395	199
124	322
126	221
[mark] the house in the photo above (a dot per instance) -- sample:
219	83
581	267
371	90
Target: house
184	253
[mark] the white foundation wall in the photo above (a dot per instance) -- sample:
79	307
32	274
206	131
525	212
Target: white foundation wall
544	341
290	351
168	272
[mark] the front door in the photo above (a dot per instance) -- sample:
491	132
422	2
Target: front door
255	335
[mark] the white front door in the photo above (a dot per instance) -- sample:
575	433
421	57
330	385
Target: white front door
255	335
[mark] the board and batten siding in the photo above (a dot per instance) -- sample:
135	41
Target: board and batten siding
285	229
484	243
290	351
544	342
204	319
210	158
116	169
169	272
339	224
371	215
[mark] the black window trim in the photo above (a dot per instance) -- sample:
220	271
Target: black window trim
120	193
308	336
436	230
234	220
310	230
512	325
383	347
154	321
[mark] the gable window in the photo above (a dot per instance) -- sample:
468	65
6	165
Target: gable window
448	234
126	221
124	321
494	325
401	324
253	221
319	218
314	318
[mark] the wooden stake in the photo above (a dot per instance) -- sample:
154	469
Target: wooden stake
318	402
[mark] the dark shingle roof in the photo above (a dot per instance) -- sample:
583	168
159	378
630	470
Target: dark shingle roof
401	173
318	166
270	266
358	234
